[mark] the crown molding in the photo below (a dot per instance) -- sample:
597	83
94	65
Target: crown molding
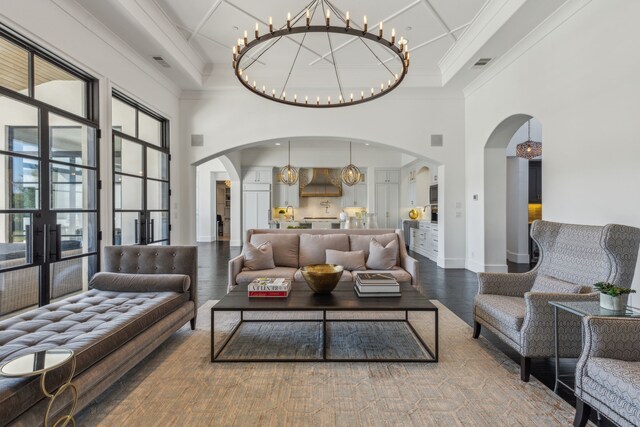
546	27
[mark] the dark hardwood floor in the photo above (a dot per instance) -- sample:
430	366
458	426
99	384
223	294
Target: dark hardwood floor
455	288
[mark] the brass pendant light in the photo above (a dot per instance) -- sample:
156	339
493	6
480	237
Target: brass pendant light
289	174
351	175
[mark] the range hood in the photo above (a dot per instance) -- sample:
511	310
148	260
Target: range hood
320	182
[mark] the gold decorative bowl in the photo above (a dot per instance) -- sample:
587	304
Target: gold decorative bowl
413	214
322	278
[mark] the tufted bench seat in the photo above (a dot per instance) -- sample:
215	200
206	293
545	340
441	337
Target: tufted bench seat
109	330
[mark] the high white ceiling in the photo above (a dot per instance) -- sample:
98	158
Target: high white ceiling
430	26
446	37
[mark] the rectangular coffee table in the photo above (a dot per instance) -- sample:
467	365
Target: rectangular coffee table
343	298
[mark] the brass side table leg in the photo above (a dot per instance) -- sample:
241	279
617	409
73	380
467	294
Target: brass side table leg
65	419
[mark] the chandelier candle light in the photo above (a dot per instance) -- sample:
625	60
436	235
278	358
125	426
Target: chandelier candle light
246	53
289	174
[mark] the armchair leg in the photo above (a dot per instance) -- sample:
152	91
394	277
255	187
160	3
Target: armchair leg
525	368
476	329
193	324
583	411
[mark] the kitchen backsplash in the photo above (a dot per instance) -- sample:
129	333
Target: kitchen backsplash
311	207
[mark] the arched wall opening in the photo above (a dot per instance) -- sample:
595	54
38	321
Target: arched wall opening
232	160
495	192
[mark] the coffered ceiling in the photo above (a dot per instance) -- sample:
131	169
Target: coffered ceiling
446	37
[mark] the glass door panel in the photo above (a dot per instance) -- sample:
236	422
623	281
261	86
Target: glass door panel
127	228
72	142
157	164
22	139
21	177
131	199
158	226
71	276
127	156
157	195
72	187
77	232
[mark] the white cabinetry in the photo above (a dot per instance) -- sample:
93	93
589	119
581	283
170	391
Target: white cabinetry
286	195
412	194
389	176
424	240
355	196
257	175
256	205
387	205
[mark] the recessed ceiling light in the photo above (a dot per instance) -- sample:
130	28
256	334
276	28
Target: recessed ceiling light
366	143
277	143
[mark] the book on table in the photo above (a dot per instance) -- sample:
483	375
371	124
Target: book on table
269	287
375	278
375	294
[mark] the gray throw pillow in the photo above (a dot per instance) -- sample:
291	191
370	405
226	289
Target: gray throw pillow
382	257
350	260
258	257
121	282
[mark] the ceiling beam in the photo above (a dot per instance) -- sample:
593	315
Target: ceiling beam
205	19
216	42
355	25
436	15
428	42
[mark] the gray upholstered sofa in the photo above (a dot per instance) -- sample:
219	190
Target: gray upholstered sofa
291	251
515	306
111	328
608	372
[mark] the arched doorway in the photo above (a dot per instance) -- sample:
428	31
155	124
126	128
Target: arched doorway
495	191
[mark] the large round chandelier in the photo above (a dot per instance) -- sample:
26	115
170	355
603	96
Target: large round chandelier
387	59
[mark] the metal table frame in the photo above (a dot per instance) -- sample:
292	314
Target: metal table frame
433	354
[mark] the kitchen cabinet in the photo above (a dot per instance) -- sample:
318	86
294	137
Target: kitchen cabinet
535	181
412	194
286	195
388	176
387	204
256	207
424	240
258	176
354	196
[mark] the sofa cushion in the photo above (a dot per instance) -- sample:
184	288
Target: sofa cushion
382	257
350	260
249	275
501	311
347	276
285	247
550	284
361	242
313	247
120	282
92	324
258	257
618	376
399	273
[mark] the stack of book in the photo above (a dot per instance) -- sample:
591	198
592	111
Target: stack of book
376	285
269	287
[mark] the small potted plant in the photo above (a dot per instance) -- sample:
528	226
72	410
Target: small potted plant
281	213
612	297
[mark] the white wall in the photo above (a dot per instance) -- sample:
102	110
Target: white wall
70	32
517	212
588	108
404	120
206	176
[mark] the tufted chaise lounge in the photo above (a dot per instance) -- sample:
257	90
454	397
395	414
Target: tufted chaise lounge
110	330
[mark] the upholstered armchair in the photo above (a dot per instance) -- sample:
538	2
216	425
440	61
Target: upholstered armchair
608	372
515	306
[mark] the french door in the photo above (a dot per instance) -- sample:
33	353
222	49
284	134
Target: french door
48	203
140	175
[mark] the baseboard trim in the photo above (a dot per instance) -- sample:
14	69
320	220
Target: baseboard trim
451	262
477	267
518	258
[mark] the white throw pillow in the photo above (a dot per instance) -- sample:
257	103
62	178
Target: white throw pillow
258	257
382	257
350	260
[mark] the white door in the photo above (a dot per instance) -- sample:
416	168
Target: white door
382	212
256	209
393	203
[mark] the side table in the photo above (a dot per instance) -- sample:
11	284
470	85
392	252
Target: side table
40	363
581	309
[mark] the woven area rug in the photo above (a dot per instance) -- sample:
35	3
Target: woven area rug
473	384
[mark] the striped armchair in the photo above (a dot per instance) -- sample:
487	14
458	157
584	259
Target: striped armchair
515	306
